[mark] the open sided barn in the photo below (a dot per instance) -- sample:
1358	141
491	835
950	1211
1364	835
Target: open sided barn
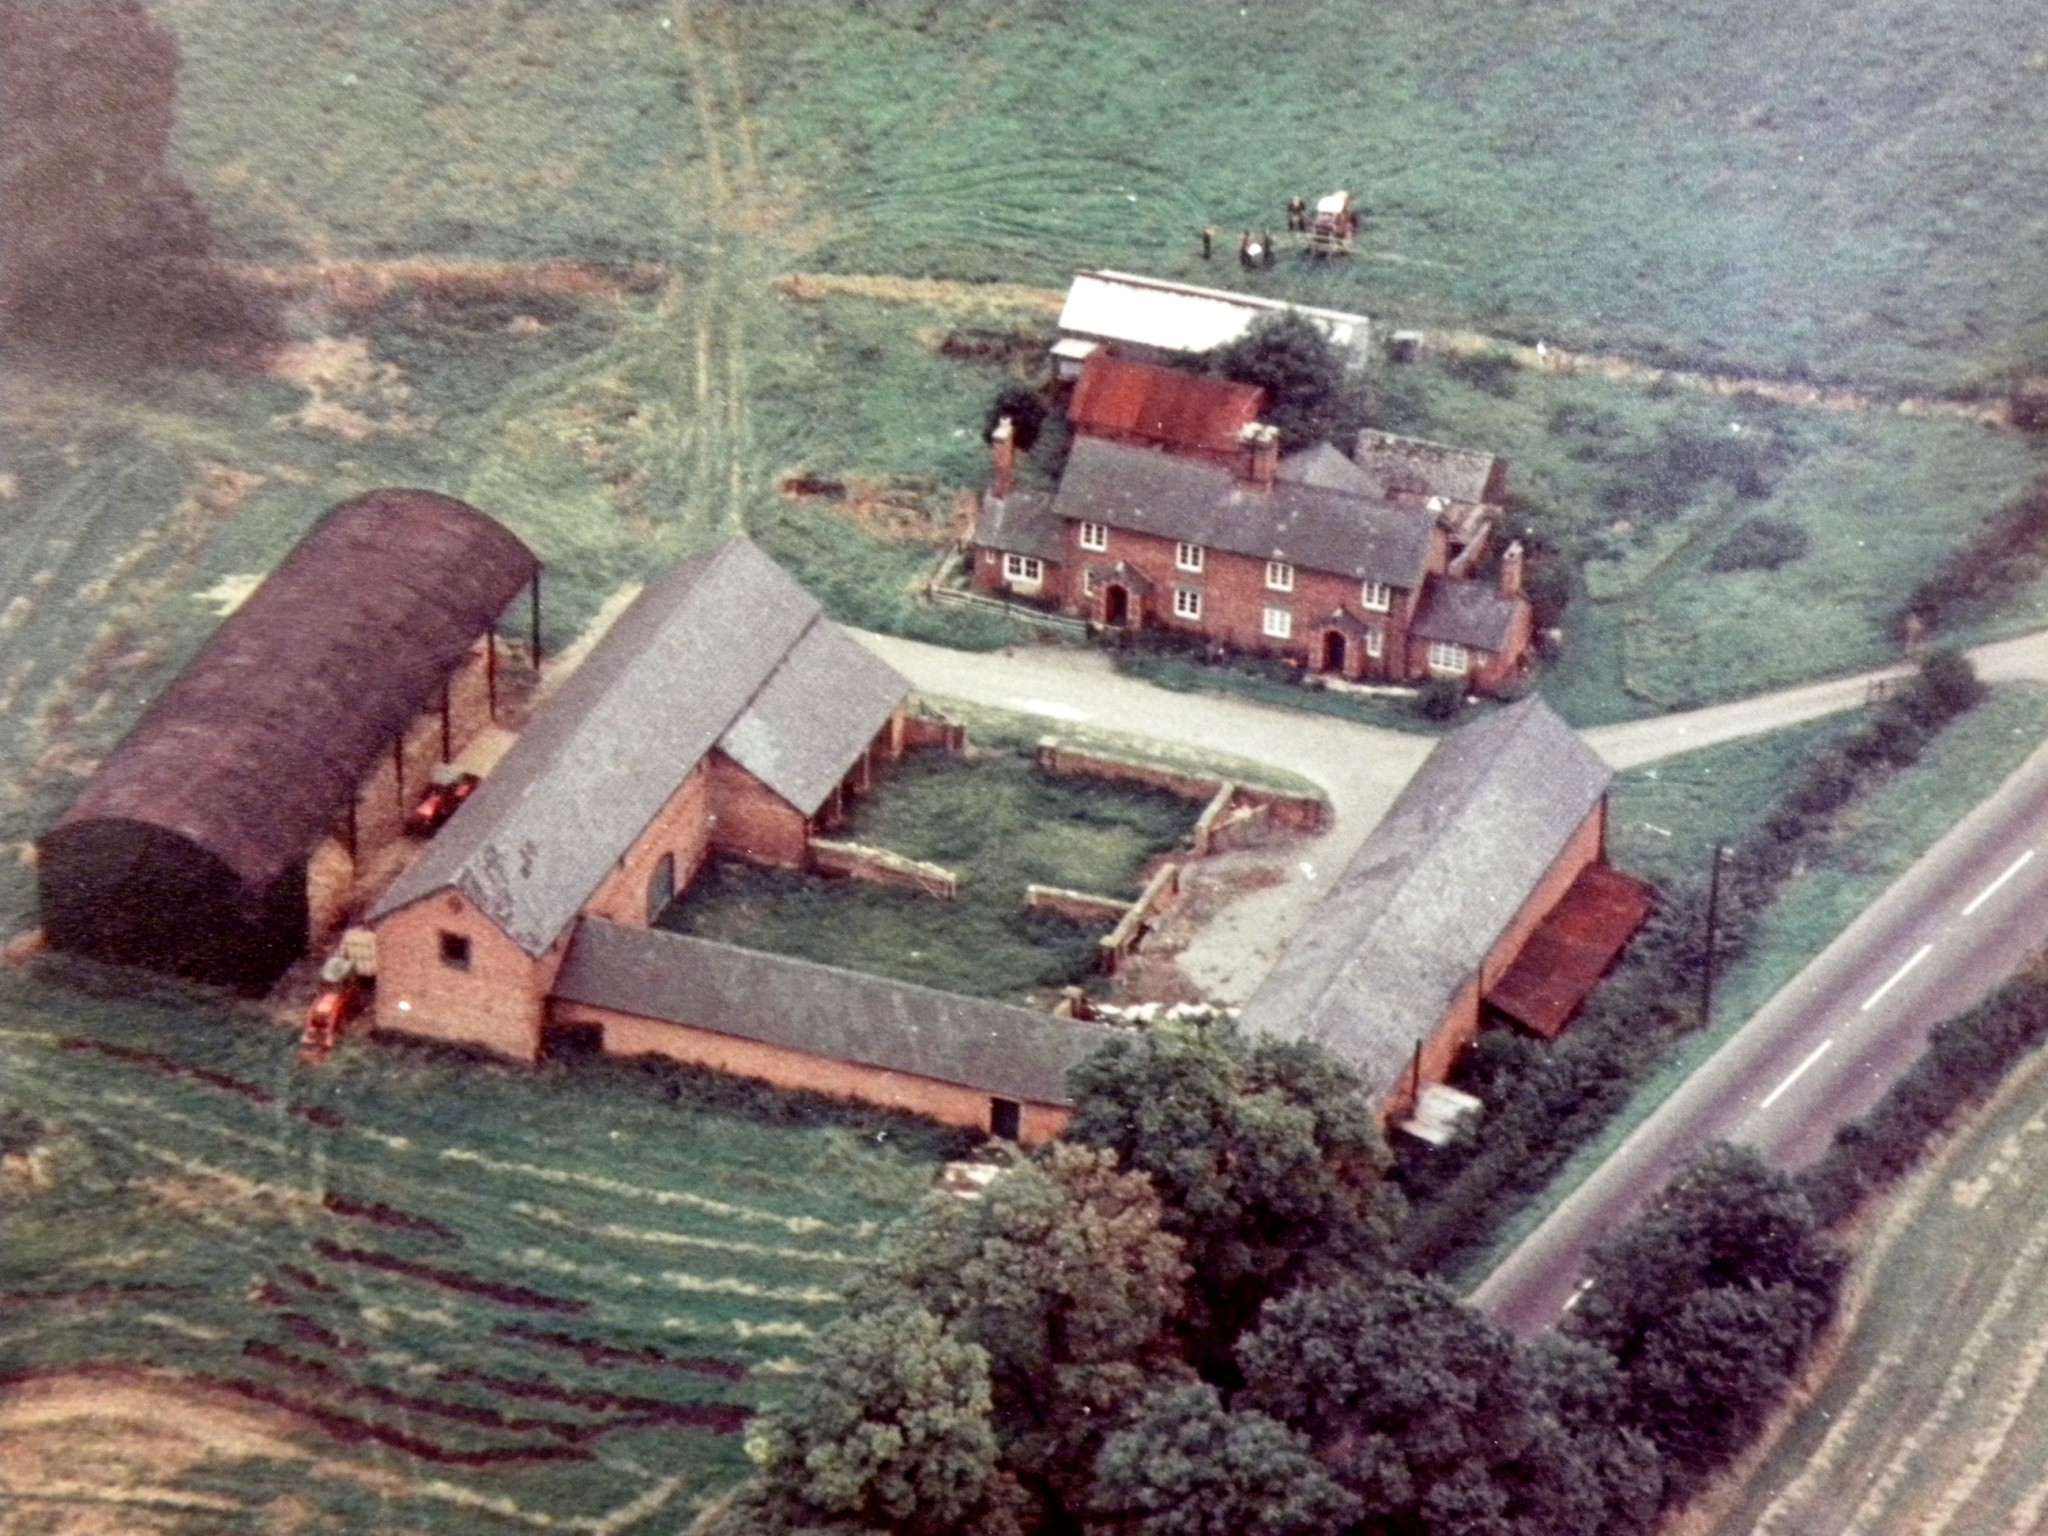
188	850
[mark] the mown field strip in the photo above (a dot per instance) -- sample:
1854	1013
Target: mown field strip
1933	1422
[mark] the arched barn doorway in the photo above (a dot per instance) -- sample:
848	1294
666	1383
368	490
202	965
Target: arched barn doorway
1334	651
1116	606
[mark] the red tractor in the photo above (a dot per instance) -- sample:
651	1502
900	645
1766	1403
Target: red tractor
443	799
344	993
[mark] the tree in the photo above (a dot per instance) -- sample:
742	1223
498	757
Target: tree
1432	1418
1310	395
1062	1274
1708	1302
1026	410
891	1432
104	253
1268	1158
1188	1467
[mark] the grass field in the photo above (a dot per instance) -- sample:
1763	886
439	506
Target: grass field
1797	187
1000	824
1934	1415
558	1301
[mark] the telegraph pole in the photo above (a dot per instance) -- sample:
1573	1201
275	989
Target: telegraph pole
1713	922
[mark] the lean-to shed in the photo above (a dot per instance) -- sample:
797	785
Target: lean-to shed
187	850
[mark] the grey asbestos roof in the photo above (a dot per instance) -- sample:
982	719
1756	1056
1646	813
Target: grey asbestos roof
1324	467
1383	955
1468	613
1423	468
1021	523
1190	499
814	716
998	1049
681	670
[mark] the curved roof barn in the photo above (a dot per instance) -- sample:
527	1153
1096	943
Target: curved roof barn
260	746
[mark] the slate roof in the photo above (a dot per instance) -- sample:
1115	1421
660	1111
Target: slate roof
999	1049
1170	407
1416	466
258	748
1180	317
723	650
1465	612
1191	499
1381	958
1325	467
1021	523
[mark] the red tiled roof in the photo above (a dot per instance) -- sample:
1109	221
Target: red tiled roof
1566	957
1185	412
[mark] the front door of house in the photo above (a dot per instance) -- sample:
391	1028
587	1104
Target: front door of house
1333	651
1116	606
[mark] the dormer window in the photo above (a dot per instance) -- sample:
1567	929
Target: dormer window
1376	597
1188	557
1279	576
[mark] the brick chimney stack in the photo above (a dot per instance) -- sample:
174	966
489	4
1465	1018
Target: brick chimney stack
1003	443
1262	453
1511	570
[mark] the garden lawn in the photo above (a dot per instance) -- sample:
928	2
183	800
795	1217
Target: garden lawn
1001	824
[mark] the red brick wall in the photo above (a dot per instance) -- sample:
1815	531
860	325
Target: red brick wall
682	828
498	1002
628	1035
987	576
750	821
1235	598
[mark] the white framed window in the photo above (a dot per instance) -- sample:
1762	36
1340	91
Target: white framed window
1376	596
1448	659
1187	602
1094	536
1090	584
1023	568
1279	576
1375	642
1188	557
1279	623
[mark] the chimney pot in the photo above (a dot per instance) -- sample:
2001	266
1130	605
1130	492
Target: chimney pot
1511	570
1003	443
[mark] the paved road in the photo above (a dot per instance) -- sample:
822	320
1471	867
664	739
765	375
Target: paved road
1826	1047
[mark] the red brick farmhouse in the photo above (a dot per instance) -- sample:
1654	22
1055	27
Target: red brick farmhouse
1177	510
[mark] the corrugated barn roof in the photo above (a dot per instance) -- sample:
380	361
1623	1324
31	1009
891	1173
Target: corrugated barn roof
1187	412
1180	317
259	747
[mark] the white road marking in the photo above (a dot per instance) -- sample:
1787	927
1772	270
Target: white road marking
1897	976
1991	890
1797	1073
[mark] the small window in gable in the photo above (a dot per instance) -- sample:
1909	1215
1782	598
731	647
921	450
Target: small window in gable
455	950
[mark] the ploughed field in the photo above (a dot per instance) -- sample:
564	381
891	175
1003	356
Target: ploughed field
482	1297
